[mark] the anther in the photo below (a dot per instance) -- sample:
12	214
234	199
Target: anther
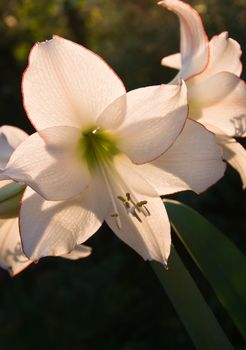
132	211
141	203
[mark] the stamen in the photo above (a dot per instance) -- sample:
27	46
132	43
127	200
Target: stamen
121	199
132	211
133	207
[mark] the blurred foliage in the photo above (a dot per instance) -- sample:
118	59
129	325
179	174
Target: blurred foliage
111	300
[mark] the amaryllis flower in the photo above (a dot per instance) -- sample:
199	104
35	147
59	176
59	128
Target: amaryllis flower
216	94
11	253
103	154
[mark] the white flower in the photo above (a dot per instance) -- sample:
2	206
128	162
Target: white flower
103	154
216	94
11	254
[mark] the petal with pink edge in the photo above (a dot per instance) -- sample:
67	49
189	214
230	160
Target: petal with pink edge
155	117
220	101
56	228
193	42
147	231
225	56
67	84
50	164
194	162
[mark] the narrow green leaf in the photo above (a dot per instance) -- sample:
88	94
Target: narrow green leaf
194	312
10	207
10	197
218	258
10	190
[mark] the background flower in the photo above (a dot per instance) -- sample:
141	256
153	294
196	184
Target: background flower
216	94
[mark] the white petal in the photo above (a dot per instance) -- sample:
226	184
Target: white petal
50	164
194	162
235	155
155	117
220	101
225	54
11	254
172	61
10	138
67	84
113	116
193	42
151	237
80	251
55	228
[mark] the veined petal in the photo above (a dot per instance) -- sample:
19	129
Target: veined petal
172	61
67	84
49	163
10	138
147	231
155	117
235	155
113	116
194	162
225	55
11	254
193	41
220	101
56	228
80	251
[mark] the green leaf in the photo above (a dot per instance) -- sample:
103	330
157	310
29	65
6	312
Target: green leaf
10	190
10	197
218	258
194	312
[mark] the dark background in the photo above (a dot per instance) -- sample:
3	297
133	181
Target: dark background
111	300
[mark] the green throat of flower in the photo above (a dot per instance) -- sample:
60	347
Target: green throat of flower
97	147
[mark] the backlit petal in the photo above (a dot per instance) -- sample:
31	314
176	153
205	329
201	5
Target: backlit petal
193	39
10	138
113	116
50	164
56	228
235	155
172	61
155	117
225	54
11	254
194	162
150	237
67	84
220	101
80	251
